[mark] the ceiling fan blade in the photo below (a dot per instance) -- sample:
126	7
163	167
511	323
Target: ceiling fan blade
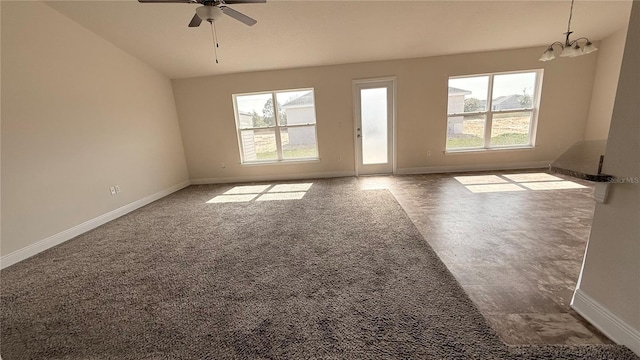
195	21
244	1
238	16
166	1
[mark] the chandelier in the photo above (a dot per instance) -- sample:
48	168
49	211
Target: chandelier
570	48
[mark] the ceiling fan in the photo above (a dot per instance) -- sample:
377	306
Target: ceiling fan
212	10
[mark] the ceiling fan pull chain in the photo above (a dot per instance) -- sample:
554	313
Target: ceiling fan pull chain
215	33
215	40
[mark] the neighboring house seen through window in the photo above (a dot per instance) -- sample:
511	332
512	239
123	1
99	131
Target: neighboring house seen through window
492	110
280	132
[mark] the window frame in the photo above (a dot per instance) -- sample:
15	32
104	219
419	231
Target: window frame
277	127
489	113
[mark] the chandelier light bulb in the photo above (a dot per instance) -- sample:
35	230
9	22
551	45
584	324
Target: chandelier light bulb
547	55
589	48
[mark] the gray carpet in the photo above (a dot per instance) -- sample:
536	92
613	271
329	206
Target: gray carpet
340	274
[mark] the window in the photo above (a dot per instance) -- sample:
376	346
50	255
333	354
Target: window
492	111
284	132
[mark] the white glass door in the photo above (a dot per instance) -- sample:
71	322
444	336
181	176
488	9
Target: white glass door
374	115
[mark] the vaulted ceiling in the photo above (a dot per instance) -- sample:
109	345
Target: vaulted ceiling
308	33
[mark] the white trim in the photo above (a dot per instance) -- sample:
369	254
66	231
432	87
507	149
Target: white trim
395	127
478	167
275	177
59	238
488	116
281	162
462	151
607	322
533	125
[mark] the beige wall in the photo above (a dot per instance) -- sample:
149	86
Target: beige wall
78	115
612	263
605	84
206	116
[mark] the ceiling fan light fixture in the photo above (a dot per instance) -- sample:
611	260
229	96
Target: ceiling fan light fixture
209	13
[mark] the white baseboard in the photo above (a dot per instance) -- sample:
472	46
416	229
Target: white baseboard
275	177
399	171
59	238
607	322
478	167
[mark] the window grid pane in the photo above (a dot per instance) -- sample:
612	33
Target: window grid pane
259	144
296	107
255	110
511	128
513	91
465	132
468	94
299	142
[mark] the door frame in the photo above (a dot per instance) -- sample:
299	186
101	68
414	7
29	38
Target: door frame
390	81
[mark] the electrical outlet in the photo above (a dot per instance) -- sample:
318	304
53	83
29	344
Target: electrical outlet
113	190
223	165
117	189
428	152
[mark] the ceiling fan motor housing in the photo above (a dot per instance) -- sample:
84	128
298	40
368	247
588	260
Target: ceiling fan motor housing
209	13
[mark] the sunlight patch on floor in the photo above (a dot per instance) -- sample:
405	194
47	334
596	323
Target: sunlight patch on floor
375	183
291	187
281	196
232	198
516	182
247	189
531	177
494	188
269	192
479	179
553	185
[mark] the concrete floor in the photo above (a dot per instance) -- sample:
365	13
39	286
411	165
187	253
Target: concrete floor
513	239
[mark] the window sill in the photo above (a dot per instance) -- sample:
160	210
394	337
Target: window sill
281	162
485	150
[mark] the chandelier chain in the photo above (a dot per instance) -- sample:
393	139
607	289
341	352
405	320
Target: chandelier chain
570	16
